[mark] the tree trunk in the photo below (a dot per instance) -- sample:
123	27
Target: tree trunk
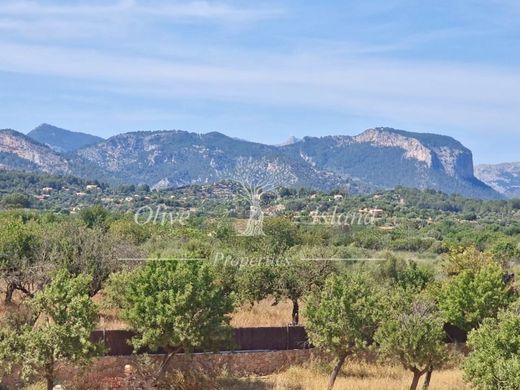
164	364
335	372
49	375
9	293
21	288
295	312
427	379
415	381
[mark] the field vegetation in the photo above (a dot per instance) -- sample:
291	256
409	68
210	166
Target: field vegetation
385	280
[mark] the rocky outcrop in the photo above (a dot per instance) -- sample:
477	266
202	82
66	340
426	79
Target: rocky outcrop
26	153
452	157
413	148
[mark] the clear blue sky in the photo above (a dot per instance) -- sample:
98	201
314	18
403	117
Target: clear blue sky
266	70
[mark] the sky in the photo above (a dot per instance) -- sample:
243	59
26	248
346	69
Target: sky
266	70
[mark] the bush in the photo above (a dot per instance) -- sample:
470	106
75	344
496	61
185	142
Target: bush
471	296
494	362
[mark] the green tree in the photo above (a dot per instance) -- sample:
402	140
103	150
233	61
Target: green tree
9	347
460	258
281	234
94	216
505	250
404	274
494	360
305	270
173	305
471	296
63	318
343	317
18	242
255	282
82	250
413	335
16	201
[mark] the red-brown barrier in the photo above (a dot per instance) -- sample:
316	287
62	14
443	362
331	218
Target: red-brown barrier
117	342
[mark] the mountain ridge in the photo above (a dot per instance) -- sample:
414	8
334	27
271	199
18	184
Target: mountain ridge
377	158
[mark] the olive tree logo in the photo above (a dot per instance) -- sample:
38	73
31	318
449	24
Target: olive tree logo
257	177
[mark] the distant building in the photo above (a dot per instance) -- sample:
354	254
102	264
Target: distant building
373	212
47	190
338	197
273	210
92	187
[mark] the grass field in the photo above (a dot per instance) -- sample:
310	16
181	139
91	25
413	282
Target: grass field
356	376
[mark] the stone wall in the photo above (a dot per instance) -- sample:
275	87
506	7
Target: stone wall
234	363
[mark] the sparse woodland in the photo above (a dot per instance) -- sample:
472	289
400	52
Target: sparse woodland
182	284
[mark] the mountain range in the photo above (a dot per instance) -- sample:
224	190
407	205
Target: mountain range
377	158
504	178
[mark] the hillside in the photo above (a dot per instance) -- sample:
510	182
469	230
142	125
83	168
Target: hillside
19	152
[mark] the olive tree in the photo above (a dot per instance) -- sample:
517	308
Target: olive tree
413	335
63	316
494	360
343	316
173	305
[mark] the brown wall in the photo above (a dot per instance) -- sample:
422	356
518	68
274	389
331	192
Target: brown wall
117	342
244	339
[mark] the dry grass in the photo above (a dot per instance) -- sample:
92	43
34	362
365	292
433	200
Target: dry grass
108	317
355	376
263	313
